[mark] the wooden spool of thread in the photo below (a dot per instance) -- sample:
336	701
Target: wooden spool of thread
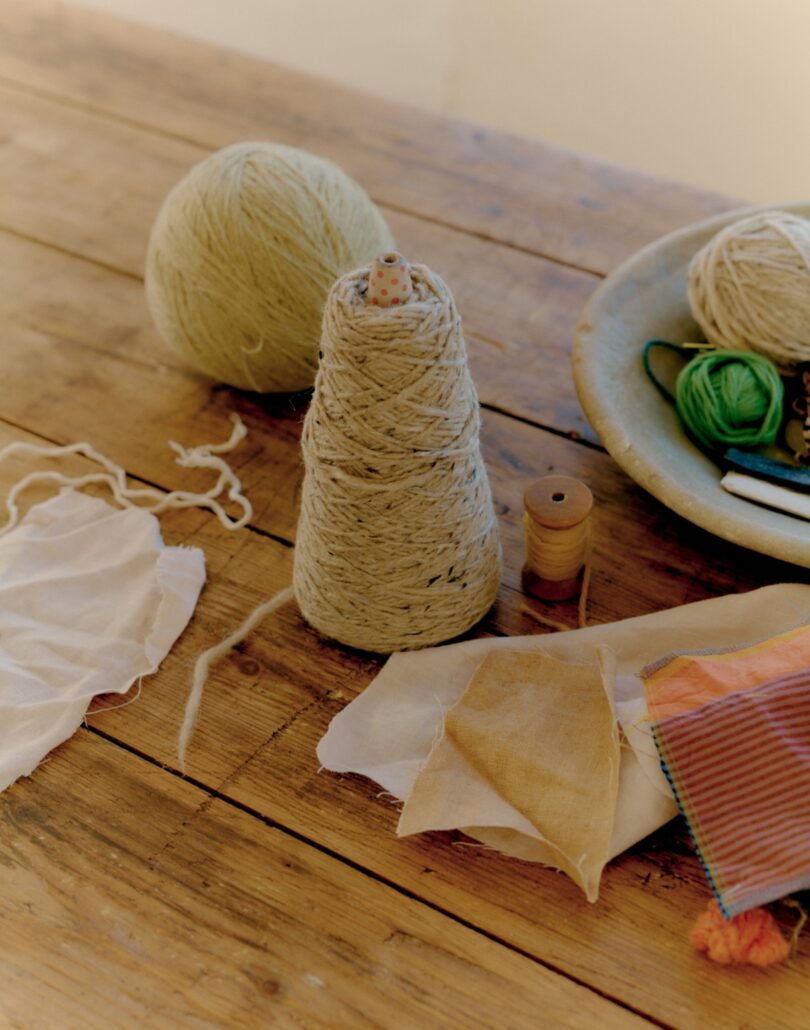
558	535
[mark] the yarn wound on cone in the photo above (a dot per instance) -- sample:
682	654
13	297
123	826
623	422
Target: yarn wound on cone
397	543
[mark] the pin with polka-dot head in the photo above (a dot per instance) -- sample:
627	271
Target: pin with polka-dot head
389	282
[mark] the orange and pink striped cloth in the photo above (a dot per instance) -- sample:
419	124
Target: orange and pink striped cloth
733	736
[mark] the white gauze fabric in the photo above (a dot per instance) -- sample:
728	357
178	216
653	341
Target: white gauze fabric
90	600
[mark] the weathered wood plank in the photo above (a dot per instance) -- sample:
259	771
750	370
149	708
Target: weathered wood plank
200	915
88	185
633	943
266	707
501	186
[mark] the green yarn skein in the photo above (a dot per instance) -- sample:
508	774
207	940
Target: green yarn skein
730	398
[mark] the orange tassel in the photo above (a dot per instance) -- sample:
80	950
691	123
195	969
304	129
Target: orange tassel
752	938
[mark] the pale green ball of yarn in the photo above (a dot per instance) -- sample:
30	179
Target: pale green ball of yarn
242	256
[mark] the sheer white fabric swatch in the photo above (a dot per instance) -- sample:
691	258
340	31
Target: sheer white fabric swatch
90	600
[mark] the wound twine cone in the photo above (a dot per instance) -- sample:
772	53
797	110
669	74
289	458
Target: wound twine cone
397	543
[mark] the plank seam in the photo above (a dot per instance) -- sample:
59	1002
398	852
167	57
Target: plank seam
572	435
217	793
214	794
491	630
568	434
60	249
489	238
206	147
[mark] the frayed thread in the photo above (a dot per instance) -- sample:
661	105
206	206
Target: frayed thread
146	498
751	938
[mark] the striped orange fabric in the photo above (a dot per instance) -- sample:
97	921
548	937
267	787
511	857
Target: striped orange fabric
740	770
680	683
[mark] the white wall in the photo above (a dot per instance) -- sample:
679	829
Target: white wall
713	92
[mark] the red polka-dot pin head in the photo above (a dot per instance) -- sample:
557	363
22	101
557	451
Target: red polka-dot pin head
389	281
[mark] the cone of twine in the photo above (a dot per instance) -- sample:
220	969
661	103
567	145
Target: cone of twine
397	543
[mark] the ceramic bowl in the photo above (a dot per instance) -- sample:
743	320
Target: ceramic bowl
644	298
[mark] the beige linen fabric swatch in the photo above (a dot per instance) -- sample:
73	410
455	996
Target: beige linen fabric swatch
537	735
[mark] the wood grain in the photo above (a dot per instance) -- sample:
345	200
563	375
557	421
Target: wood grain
500	186
292	682
88	185
204	916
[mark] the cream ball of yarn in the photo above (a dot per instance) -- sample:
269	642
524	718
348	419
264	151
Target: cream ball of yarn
242	256
749	287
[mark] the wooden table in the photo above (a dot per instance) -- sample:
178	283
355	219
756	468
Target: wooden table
257	891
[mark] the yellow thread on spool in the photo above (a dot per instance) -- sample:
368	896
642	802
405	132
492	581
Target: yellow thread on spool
558	539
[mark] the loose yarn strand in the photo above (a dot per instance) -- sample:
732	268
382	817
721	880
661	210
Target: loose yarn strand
114	708
544	620
202	667
582	608
114	476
